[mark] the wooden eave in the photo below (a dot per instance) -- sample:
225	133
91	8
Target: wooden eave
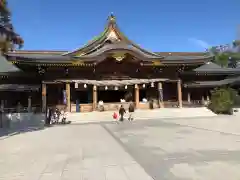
210	73
227	81
102	57
52	52
105	53
211	68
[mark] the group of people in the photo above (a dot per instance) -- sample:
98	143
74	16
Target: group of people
122	111
55	116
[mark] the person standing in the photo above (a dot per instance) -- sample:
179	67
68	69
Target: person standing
131	110
121	112
49	113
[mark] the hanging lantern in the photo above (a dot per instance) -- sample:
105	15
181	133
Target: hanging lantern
106	88
85	86
115	88
152	84
76	85
126	87
144	85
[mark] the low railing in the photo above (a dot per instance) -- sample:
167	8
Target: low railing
34	109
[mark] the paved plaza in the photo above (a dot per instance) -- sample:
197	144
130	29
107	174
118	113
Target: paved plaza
171	149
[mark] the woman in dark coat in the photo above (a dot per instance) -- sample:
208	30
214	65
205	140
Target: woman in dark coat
121	112
131	110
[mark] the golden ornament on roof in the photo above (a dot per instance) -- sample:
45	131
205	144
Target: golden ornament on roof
156	63
112	17
77	62
119	56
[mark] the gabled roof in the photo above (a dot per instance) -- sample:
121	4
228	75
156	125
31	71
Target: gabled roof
6	66
101	54
111	33
120	47
214	69
111	42
182	53
42	57
209	66
227	81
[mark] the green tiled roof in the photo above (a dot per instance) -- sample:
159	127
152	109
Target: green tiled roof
7	67
210	66
227	81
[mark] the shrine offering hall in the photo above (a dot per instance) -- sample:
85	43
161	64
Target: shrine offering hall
110	69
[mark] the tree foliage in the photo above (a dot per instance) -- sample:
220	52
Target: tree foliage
221	59
226	55
223	100
7	29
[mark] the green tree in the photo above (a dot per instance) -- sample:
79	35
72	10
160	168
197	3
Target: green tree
9	38
226	55
222	100
222	59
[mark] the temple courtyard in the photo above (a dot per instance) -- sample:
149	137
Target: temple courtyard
168	148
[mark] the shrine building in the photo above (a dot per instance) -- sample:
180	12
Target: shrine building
111	69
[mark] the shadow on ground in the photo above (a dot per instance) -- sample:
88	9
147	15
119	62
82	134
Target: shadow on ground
144	142
27	123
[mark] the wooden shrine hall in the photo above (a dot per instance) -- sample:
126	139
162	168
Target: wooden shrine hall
112	70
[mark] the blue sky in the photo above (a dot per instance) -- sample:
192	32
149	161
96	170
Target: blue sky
157	25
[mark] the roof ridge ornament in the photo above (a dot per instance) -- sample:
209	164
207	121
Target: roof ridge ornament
112	18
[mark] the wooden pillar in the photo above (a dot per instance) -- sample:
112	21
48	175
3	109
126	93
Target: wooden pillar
160	95
29	104
136	95
94	98
44	97
189	97
179	90
68	96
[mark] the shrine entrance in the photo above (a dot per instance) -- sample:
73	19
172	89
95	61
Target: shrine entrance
115	94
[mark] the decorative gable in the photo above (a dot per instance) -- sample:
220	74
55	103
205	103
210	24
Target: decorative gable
112	36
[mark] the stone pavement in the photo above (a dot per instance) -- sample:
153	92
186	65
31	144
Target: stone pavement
221	123
171	150
147	114
161	149
74	152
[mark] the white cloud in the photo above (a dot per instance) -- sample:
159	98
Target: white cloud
200	43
